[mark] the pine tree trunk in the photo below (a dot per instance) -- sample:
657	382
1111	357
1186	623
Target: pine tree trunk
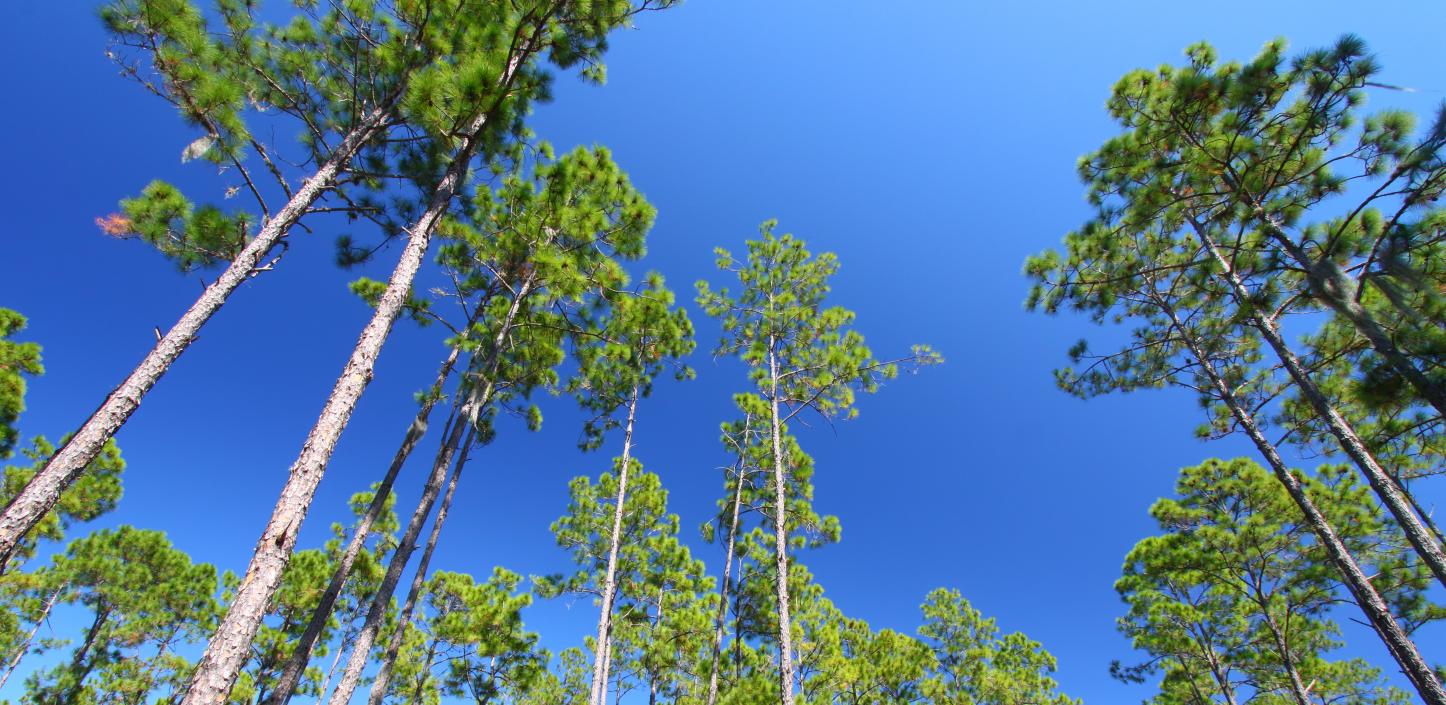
296	665
476	399
342	649
1338	290
80	663
376	612
217	670
722	618
1385	488
43	490
780	537
657	622
29	637
419	579
1402	649
1297	686
609	595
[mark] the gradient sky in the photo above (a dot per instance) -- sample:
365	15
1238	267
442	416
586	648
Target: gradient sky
931	145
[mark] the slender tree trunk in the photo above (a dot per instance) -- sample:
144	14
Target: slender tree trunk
29	637
419	579
722	617
610	586
1297	686
422	676
1422	677
780	537
657	622
738	619
476	400
301	655
217	670
341	650
361	650
1338	291
43	490
80	663
1385	488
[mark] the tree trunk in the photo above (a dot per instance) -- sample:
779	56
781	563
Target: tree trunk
1402	649
361	650
296	666
341	650
43	490
29	637
394	646
722	617
609	595
80	665
217	670
657	622
476	400
1297	686
1345	435
780	537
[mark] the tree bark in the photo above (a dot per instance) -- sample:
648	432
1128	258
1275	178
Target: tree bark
29	637
296	666
1385	487
722	618
1402	649
605	612
780	537
394	646
43	490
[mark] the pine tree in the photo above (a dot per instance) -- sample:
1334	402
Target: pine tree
500	44
1233	599
211	74
1215	155
978	665
145	599
1139	261
639	335
803	357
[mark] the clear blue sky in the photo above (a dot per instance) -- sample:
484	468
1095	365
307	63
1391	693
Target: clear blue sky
930	144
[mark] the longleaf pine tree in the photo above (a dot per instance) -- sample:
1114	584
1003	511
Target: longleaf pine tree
1150	258
803	358
488	85
212	74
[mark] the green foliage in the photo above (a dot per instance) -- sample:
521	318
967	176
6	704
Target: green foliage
16	361
146	599
977	665
1233	599
193	238
800	353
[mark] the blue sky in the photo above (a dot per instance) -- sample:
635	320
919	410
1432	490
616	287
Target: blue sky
931	145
